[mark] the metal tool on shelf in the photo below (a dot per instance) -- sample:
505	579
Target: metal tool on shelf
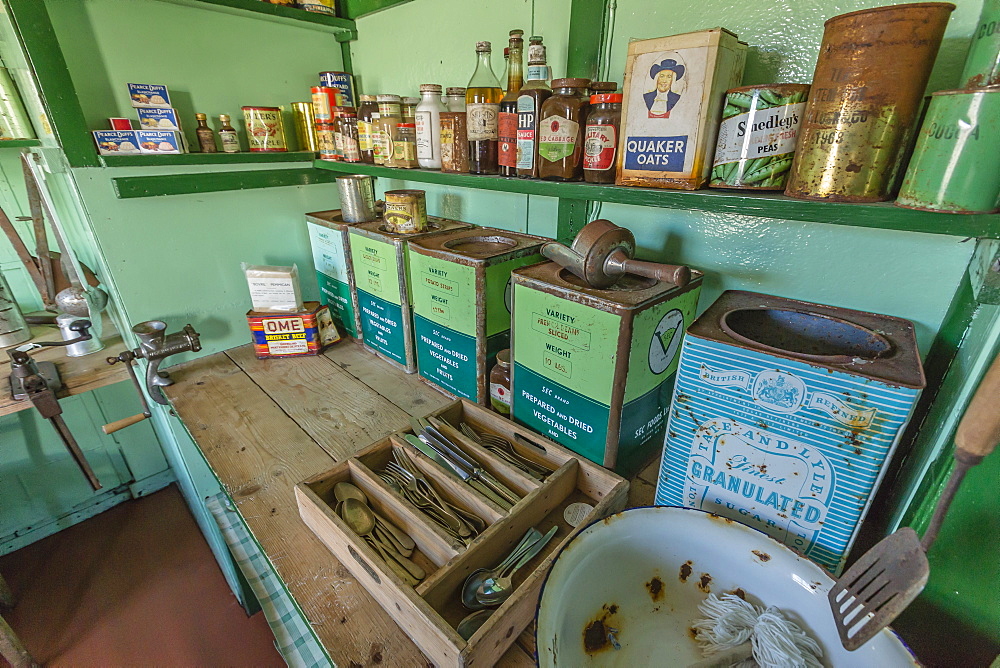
38	382
155	345
603	252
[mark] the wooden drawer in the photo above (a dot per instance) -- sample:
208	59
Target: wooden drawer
430	612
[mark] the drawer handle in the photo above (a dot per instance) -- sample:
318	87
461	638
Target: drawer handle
364	564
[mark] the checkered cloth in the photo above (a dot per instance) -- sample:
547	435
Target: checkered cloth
294	637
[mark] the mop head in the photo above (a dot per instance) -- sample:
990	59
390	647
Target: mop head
730	621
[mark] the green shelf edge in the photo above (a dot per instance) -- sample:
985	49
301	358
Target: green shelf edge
129	187
172	159
883	215
19	143
278	12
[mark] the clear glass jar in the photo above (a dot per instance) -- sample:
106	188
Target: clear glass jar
428	122
409	108
404	153
454	99
389	117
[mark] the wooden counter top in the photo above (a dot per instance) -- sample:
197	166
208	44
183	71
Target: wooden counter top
265	425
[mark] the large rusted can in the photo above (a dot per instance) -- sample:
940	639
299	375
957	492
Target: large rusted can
865	101
956	163
982	65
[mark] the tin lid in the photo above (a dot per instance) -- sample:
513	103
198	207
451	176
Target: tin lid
905	7
411	100
481	246
571	82
261	108
456	91
388	98
323	89
613	98
484	46
368	98
503	357
430	88
517	33
603	86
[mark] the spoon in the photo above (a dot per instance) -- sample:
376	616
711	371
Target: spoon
497	589
476	578
362	521
404	544
471	623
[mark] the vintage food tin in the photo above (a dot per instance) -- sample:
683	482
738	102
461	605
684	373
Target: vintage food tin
305	126
343	82
331	243
982	65
672	102
318	6
785	416
324	99
292	334
955	165
14	121
865	101
357	197
461	287
381	264
454	142
325	141
760	126
406	211
265	132
593	369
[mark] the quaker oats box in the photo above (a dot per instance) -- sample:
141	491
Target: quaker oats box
674	92
159	142
116	142
785	416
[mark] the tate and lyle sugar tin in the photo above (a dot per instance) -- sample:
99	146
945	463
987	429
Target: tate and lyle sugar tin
344	83
785	415
757	137
265	131
954	165
330	241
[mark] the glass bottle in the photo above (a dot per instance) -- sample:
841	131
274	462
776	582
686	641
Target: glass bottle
601	138
529	101
560	132
454	99
389	117
227	133
404	152
506	66
409	108
428	122
500	384
482	106
365	145
507	123
349	136
206	136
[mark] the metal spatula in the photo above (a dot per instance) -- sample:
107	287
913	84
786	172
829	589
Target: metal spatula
879	586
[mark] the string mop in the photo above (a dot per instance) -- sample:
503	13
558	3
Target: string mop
776	642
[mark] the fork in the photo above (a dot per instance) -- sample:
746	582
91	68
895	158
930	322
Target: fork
413	483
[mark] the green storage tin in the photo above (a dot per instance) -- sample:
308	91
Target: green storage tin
460	283
955	164
330	243
381	265
982	65
594	369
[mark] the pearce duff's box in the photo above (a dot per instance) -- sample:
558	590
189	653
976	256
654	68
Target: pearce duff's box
149	95
307	332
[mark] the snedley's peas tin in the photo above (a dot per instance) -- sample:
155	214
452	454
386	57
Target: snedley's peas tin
982	66
265	132
954	166
406	211
785	416
760	126
344	84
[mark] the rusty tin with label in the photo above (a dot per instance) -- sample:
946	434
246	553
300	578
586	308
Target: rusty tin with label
381	268
331	243
865	102
593	369
982	65
461	287
785	416
955	163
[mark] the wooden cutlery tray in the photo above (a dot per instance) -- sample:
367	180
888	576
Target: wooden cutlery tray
430	612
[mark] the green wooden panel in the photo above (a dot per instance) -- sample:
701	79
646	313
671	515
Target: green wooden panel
572	216
354	9
586	28
204	159
182	184
269	12
882	215
19	143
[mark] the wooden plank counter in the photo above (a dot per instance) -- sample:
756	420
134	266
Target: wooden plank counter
265	425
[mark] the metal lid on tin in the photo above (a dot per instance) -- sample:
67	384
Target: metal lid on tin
388	98
249	108
603	87
411	100
571	82
484	46
429	88
455	91
368	98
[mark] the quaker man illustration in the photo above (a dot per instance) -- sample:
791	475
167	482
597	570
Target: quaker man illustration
661	99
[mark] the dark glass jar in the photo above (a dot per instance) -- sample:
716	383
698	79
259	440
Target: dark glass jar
500	394
368	108
600	143
561	130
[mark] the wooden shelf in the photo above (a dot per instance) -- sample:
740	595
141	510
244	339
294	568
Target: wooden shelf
19	143
266	11
883	215
171	159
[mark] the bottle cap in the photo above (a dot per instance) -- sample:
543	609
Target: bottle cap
503	357
224	118
613	98
388	98
201	117
535	39
456	91
406	125
430	88
603	86
368	98
411	100
484	46
571	82
506	52
536	54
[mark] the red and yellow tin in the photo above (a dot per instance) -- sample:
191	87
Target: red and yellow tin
307	332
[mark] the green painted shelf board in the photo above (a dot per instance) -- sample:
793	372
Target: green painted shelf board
357	8
267	11
19	143
170	159
128	187
883	215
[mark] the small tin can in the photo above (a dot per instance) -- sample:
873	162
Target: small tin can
982	65
14	122
324	99
454	142
344	85
325	141
357	198
406	211
307	332
305	125
265	132
757	136
865	100
954	165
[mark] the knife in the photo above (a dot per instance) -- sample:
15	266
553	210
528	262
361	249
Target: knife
473	468
433	454
469	479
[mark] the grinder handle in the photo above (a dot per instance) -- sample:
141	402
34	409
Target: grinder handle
619	262
112	427
562	255
979	431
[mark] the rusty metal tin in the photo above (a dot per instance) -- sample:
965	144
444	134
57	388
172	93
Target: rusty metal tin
305	126
460	284
406	211
982	65
381	262
454	142
593	369
954	165
331	244
265	131
757	136
865	101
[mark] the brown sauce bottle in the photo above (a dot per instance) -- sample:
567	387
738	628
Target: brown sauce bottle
561	131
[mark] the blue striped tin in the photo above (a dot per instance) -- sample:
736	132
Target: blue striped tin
785	415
